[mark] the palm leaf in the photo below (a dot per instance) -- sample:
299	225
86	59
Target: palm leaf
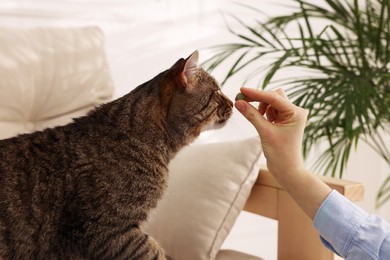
274	68
347	87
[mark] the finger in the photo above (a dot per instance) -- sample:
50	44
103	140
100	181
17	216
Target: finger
270	114
281	92
241	97
251	113
268	97
263	108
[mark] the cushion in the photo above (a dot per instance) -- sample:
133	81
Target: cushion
208	187
235	255
50	75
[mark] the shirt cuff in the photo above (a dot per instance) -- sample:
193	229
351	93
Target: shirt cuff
337	220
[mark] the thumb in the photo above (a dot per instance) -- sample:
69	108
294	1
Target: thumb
252	114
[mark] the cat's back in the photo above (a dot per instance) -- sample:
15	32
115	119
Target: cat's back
28	152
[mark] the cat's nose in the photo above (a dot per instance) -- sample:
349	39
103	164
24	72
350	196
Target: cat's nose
227	100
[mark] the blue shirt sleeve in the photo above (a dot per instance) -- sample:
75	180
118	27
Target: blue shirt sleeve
351	232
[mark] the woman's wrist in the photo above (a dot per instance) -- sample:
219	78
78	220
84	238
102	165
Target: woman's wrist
285	173
305	188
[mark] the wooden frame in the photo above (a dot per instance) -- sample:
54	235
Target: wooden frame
297	238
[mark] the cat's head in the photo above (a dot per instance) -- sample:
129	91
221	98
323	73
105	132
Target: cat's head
194	98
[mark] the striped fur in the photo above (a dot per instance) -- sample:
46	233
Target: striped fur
82	190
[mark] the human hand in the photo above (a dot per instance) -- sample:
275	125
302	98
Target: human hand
280	125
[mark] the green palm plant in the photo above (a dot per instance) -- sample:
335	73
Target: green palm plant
347	85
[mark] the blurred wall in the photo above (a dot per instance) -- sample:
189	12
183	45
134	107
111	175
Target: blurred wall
145	37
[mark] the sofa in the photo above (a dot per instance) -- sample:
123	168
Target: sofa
50	75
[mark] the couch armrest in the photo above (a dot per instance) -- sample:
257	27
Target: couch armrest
297	238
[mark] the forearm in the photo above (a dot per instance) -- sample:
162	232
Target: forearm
350	231
306	189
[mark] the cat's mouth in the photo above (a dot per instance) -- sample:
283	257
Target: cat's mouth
224	115
221	122
220	117
215	125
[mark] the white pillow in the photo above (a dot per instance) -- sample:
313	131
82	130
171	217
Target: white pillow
208	187
49	75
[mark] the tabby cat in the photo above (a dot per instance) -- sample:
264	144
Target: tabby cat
81	191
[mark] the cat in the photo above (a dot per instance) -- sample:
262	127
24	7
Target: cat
81	191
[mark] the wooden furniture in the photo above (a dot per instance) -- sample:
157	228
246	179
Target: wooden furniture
297	238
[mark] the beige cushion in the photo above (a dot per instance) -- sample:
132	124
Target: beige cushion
208	187
50	75
235	255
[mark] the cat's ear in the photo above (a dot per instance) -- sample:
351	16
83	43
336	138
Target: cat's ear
190	67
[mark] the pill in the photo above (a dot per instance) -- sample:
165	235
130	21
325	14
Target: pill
240	96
